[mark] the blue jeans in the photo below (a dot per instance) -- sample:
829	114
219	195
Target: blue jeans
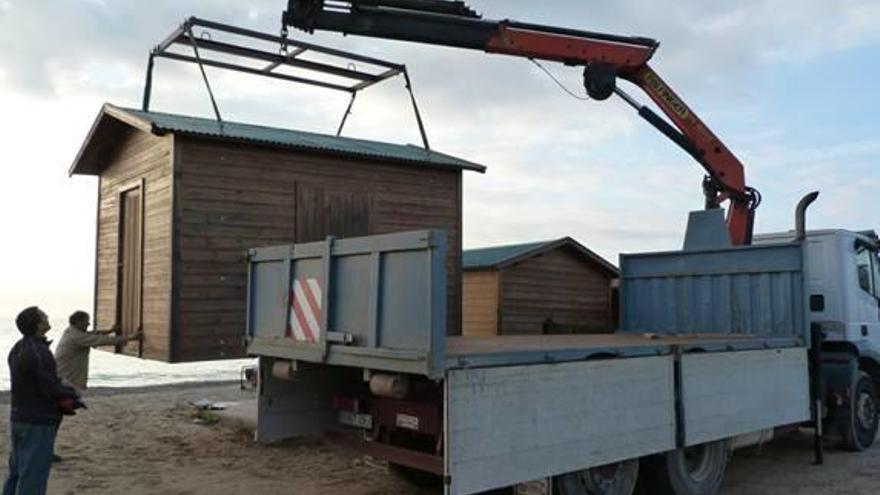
30	457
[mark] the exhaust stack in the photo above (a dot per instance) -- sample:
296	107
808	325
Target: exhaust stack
800	215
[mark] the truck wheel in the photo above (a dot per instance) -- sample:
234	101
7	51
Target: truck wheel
696	470
860	427
612	479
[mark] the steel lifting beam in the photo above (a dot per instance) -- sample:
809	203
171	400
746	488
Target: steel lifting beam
245	53
244	56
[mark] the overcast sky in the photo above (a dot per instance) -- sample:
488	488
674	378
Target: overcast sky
789	85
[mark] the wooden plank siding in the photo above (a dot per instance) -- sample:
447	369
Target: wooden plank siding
137	156
558	284
232	197
479	303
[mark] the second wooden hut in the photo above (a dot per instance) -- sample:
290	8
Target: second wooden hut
556	286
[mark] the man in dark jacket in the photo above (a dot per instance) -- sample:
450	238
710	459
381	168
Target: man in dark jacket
39	399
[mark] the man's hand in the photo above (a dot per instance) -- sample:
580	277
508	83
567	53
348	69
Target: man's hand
69	405
110	331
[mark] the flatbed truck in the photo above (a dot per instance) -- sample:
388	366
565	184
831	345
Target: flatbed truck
719	347
722	344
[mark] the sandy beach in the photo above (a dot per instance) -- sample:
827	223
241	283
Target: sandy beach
146	441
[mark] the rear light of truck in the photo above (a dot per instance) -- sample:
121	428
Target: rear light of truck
344	403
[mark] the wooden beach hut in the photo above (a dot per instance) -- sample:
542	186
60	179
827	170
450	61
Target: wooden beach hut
181	199
556	286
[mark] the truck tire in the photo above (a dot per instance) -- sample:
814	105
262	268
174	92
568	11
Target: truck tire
697	470
860	426
612	479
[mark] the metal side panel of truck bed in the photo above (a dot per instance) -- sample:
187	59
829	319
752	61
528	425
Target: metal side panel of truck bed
725	394
512	424
753	290
373	302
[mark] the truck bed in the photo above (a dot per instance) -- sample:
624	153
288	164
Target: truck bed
466	352
712	345
382	306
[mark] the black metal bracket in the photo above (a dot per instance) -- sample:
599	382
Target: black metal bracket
817	392
244	50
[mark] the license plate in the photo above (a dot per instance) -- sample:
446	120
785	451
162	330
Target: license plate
349	418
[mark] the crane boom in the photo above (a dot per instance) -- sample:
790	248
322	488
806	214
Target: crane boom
605	58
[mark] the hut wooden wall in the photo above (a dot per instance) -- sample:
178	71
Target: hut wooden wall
232	197
559	284
138	155
479	303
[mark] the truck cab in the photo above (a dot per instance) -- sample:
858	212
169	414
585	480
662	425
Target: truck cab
843	283
843	298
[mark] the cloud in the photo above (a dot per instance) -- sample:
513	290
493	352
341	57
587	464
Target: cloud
844	173
42	41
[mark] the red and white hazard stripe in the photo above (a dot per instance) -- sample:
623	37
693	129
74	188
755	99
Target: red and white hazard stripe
305	310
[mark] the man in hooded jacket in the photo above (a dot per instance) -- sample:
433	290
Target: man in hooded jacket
39	400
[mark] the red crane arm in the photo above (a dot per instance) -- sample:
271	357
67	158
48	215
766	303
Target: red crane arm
725	170
719	160
566	49
605	58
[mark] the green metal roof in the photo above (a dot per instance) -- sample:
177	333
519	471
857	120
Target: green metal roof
165	122
500	256
162	123
495	255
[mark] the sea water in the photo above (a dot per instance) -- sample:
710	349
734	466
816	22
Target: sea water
107	369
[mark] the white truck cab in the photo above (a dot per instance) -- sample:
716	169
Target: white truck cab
843	282
843	298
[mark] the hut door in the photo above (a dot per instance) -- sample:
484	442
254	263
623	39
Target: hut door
130	272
